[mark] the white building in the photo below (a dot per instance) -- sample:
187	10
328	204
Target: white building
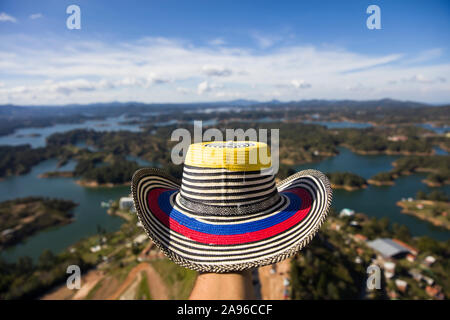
126	203
140	238
401	285
346	212
389	269
428	280
429	260
96	248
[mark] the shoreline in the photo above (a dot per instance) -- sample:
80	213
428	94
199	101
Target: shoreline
119	213
434	184
20	240
389	153
95	184
381	183
423	217
348	188
56	174
30	216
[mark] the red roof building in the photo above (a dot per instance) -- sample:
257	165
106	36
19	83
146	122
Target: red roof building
413	250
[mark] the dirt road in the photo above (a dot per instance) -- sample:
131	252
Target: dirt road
158	289
272	284
88	281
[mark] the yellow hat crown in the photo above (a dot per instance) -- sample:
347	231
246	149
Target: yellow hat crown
230	155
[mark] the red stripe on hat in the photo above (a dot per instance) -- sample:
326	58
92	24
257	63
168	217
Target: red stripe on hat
230	239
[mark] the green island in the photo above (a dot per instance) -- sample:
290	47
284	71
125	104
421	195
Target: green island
394	130
346	180
21	218
433	207
54	174
408	141
437	167
16	160
112	172
382	179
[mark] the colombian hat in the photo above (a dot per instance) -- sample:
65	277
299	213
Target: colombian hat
228	213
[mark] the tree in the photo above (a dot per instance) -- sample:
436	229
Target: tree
24	265
421	195
46	260
401	232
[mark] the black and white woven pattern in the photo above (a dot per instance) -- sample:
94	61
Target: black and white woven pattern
235	192
211	189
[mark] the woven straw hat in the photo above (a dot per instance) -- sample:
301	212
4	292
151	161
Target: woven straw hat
227	213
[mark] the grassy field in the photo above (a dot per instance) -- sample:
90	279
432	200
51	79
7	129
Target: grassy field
179	280
435	212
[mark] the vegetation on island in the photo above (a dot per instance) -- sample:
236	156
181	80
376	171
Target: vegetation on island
382	179
437	167
23	217
433	207
435	195
381	141
16	160
53	174
116	171
299	142
346	180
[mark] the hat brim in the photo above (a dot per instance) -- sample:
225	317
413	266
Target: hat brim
218	243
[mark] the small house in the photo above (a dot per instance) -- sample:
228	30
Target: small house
346	212
126	203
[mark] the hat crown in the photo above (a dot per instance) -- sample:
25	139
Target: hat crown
231	155
233	175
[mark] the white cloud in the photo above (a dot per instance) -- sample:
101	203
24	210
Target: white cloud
300	84
156	79
130	82
7	18
35	16
228	95
217	71
358	87
183	90
167	70
420	78
426	55
206	86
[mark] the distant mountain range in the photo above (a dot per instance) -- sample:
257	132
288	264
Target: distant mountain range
94	109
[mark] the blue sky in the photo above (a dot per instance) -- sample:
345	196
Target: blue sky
174	51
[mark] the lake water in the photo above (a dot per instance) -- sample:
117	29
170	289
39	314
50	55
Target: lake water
438	130
340	124
440	152
379	201
88	214
374	201
36	137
